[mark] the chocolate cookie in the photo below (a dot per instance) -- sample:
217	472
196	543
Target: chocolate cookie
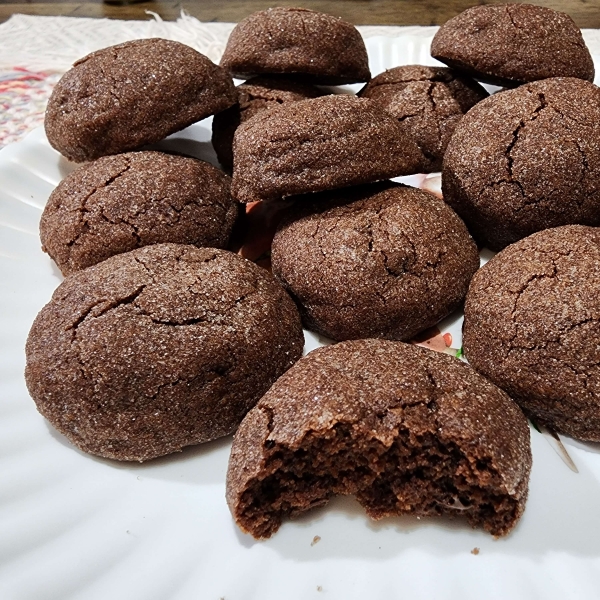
297	41
383	260
532	324
428	103
255	95
509	44
122	202
136	93
316	145
159	348
526	160
404	429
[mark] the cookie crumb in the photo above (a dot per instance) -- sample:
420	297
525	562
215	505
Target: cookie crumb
475	551
319	588
315	540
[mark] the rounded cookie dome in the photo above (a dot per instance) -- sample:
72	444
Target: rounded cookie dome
383	260
532	324
159	348
139	92
122	202
319	144
296	41
526	159
511	44
254	96
428	103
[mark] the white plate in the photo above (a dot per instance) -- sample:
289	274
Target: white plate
77	527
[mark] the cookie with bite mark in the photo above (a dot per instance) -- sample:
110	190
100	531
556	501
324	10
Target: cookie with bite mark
404	429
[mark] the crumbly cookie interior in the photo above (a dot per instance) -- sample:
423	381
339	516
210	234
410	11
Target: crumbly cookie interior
418	475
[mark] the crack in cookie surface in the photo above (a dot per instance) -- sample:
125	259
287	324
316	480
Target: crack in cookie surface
526	160
119	203
531	320
377	261
159	348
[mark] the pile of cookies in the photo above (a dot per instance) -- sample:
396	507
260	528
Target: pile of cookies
162	337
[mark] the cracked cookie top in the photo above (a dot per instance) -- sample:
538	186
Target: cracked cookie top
526	159
122	97
159	348
383	260
532	324
319	144
318	47
254	96
428	103
510	44
118	203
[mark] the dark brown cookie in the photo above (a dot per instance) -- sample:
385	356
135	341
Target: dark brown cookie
526	160
509	44
404	429
118	203
383	260
532	325
297	41
428	103
316	145
122	97
159	348
255	95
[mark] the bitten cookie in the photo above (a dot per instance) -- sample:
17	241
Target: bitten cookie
122	97
428	103
383	260
404	429
159	348
511	44
122	202
525	160
255	95
297	41
532	324
316	145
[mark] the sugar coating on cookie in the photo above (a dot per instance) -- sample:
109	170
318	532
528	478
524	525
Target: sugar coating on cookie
525	160
404	429
532	324
121	202
428	103
319	144
300	42
382	260
511	44
139	92
254	96
159	348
